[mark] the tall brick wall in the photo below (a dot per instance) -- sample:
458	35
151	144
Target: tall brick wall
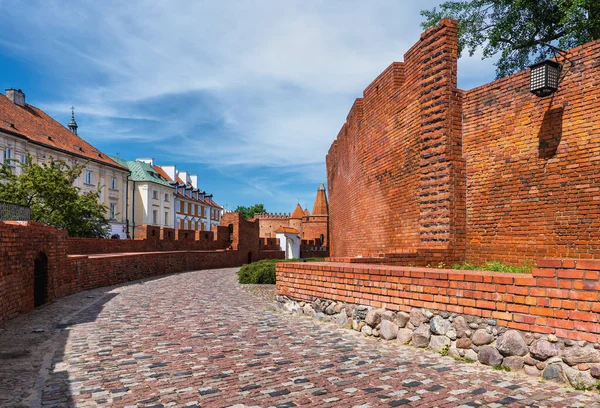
532	165
395	171
494	173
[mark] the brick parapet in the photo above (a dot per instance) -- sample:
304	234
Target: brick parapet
560	296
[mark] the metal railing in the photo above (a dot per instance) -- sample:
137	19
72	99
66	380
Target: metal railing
14	212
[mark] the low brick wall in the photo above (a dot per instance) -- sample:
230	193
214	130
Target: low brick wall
67	272
560	297
545	323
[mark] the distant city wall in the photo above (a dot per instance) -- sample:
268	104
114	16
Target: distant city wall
40	264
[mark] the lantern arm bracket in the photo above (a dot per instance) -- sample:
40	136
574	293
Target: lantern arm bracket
559	52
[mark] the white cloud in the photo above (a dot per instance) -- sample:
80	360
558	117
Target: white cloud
256	82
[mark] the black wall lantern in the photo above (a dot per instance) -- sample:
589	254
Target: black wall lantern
543	78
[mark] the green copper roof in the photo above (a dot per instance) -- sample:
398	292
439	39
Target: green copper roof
141	171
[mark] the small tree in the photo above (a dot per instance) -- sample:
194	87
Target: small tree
521	31
249	212
53	200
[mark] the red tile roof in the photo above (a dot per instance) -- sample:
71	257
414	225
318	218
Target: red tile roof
298	212
36	126
163	174
287	230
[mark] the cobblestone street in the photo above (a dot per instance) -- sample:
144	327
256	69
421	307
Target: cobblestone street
200	339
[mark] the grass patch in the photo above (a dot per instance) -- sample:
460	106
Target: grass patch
495	266
444	350
263	272
464	359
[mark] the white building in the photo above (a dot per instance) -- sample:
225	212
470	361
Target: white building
194	208
289	241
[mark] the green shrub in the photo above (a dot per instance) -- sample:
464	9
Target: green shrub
495	266
263	272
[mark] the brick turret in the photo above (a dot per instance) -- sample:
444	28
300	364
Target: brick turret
321	207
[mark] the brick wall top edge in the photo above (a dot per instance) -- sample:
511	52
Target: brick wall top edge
367	267
571	53
389	71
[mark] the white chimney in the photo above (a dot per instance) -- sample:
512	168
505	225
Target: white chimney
184	176
16	96
194	180
170	170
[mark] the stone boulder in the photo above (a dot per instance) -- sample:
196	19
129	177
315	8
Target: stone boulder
421	336
373	317
513	363
481	337
404	336
388	330
438	343
460	326
401	319
512	343
577	354
553	372
417	317
579	378
488	355
329	310
471	355
308	310
341	319
366	330
595	370
543	349
464	343
439	325
388	315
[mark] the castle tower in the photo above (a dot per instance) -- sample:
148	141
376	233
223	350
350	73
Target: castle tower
296	219
321	207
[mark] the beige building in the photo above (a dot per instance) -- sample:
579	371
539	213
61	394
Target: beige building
151	196
25	129
194	208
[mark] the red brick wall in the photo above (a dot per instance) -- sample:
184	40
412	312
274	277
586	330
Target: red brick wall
21	243
533	179
19	246
198	240
315	226
395	173
494	173
560	297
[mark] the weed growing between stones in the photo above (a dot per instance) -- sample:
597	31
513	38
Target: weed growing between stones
500	367
582	387
444	350
464	359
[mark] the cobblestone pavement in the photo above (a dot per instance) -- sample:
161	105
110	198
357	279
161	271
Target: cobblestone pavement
199	339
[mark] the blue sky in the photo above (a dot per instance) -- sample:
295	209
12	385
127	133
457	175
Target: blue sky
247	94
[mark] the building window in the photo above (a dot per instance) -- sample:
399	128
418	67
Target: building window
113	183
8	154
24	158
155	194
88	177
166	218
113	211
154	217
167	198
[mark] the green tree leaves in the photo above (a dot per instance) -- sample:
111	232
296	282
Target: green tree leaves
49	192
519	30
249	212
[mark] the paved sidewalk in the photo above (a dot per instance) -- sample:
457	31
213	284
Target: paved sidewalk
199	339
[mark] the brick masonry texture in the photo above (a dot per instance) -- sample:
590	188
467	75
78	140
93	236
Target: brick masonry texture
78	264
199	339
560	297
493	173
